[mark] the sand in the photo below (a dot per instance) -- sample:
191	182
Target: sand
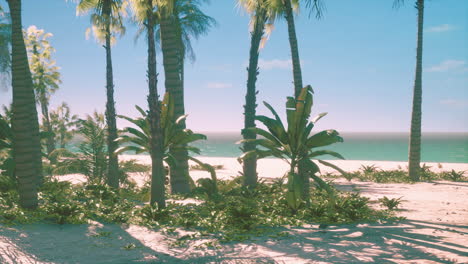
436	230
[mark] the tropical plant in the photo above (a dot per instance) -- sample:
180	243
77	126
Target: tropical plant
138	139
416	113
107	23
390	203
62	123
91	159
6	151
143	12
5	47
24	123
261	22
45	75
296	145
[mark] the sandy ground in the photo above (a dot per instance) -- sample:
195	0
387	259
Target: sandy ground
436	230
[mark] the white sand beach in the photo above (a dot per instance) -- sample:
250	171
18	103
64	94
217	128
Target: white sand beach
436	229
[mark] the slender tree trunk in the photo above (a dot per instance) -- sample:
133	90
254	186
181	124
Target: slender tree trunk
113	168
171	61
50	142
415	136
297	73
297	76
156	140
250	165
25	125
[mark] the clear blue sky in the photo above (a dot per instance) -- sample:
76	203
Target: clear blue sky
360	59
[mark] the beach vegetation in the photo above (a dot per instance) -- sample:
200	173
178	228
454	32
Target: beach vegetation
296	145
45	76
236	213
137	139
107	23
391	204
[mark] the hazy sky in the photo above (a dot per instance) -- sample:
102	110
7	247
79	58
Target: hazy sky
360	59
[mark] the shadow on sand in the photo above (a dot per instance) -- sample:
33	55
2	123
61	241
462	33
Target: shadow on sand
413	241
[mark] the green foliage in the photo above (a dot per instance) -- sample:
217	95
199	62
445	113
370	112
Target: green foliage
5	48
453	175
92	157
46	77
373	174
62	123
295	144
369	169
138	139
391	204
7	164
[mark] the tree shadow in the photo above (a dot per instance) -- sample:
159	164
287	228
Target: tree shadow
52	243
377	243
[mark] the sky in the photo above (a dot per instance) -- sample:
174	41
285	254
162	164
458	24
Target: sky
359	58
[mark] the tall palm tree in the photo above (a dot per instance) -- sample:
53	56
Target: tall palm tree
177	26
5	46
46	77
25	125
144	14
172	59
107	23
261	22
416	113
286	8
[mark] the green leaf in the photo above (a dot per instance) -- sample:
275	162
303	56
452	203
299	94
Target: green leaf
324	138
328	164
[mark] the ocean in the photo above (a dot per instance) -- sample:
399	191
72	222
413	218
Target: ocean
436	147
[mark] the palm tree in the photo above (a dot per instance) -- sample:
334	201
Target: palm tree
25	125
416	114
107	22
171	51
261	22
177	27
62	122
285	8
5	46
144	14
46	77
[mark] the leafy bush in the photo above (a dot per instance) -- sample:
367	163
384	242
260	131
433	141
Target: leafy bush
390	203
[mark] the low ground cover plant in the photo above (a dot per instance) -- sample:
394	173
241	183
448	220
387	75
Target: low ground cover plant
234	213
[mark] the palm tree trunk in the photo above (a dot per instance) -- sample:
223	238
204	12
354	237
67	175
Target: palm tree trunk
415	136
171	61
50	144
297	73
156	140
25	125
250	165
297	77
113	168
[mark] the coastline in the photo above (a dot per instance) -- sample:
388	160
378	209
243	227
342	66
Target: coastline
271	168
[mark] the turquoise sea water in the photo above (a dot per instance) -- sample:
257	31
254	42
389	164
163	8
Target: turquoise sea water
436	147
